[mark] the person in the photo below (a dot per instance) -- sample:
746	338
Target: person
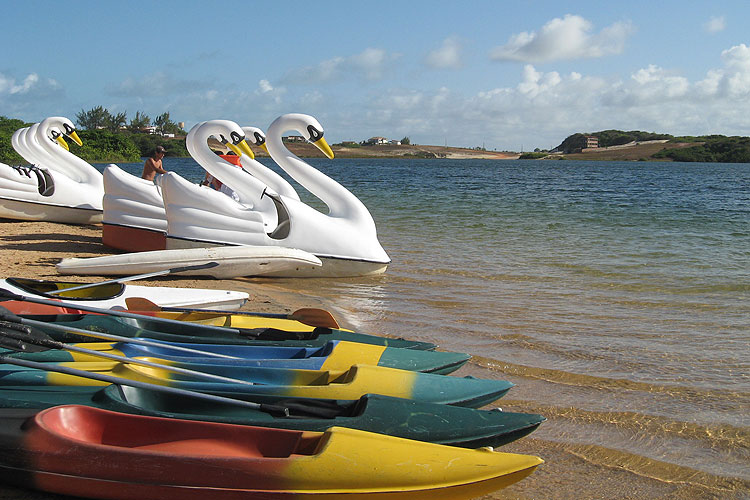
153	164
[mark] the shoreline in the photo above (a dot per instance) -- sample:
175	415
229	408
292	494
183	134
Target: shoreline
571	471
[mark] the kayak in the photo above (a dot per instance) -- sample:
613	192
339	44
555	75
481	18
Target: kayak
232	262
84	451
443	424
269	331
114	294
280	383
334	355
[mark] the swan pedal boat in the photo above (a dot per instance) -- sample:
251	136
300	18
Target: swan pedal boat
344	238
89	452
435	423
232	262
57	186
114	294
251	330
334	355
279	383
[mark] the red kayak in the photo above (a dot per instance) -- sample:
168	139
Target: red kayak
89	452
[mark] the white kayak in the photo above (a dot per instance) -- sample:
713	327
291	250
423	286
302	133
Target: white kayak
109	295
231	262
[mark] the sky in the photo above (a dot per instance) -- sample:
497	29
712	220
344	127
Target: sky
504	75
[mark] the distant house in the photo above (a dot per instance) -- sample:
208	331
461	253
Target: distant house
376	141
395	142
591	142
293	138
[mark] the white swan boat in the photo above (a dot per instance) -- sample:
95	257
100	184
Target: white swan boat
57	186
134	218
345	239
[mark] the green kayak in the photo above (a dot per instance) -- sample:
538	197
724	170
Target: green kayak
202	334
435	423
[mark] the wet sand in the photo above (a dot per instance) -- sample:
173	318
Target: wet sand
31	249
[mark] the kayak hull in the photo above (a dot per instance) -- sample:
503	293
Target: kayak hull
89	452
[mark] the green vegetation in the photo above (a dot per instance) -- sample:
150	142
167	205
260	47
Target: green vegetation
608	138
715	149
533	156
106	147
7	153
712	148
106	137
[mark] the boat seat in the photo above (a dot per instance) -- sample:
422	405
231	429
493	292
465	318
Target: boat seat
46	184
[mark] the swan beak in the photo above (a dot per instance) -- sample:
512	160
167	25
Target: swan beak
324	147
246	149
73	135
62	142
264	148
241	148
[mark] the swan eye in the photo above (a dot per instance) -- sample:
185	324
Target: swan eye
223	139
236	138
315	134
55	134
68	129
259	139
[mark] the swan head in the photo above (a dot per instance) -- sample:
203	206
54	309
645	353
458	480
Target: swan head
256	137
306	125
58	127
230	134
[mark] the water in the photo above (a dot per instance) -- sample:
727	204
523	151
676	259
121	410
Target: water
615	295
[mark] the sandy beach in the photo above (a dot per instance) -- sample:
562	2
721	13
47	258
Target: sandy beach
31	249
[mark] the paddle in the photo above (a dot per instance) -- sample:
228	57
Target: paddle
28	335
7	295
6	315
307	315
17	345
164	272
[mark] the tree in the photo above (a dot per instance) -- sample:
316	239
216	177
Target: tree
405	140
117	121
163	124
93	119
139	122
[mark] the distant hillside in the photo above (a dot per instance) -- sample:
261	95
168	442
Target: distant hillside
644	146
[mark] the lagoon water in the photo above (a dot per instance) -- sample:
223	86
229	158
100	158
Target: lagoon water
615	295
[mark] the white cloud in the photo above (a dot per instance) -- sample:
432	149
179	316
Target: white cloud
715	24
265	86
370	64
566	38
447	56
31	83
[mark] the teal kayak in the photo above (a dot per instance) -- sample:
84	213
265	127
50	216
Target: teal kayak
449	425
335	354
282	383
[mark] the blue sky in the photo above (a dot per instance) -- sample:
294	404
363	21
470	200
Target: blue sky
503	74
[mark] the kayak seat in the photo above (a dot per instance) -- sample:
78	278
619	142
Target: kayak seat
315	408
